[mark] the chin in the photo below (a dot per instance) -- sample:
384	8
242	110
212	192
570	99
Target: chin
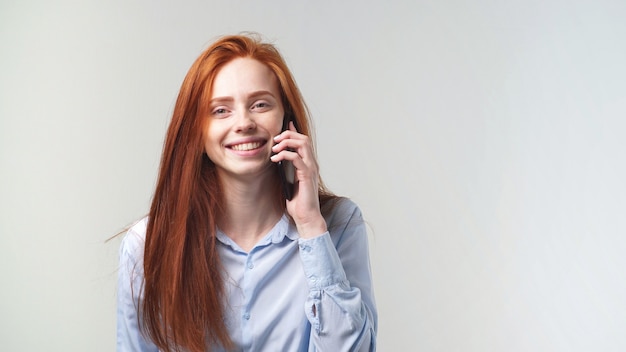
252	171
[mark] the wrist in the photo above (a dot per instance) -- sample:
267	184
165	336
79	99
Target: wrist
313	228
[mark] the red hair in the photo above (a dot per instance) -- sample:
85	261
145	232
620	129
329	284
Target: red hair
183	303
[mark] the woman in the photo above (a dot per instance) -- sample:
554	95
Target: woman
224	262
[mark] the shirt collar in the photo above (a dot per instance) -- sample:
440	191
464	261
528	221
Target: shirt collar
284	228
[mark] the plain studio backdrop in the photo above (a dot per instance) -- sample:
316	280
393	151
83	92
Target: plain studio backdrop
484	141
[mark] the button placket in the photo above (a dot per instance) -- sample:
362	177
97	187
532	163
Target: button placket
248	266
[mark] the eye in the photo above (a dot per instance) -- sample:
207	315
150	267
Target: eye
219	112
261	106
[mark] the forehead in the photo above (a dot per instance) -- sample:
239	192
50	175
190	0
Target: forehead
244	75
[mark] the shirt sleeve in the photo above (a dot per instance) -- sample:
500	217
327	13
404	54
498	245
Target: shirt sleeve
130	279
340	305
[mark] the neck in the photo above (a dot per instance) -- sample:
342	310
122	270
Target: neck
250	209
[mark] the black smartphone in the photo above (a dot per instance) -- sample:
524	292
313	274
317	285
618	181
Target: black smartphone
286	170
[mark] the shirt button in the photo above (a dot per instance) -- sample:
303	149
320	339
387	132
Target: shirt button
246	316
250	265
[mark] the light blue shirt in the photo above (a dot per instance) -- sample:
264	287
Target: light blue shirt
286	294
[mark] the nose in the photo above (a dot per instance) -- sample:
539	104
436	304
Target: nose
244	122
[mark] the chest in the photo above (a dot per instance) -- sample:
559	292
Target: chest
266	291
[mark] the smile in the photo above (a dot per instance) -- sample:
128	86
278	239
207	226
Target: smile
246	146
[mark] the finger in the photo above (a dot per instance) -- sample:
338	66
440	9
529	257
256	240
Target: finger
284	155
289	144
296	160
290	155
300	149
289	134
293	140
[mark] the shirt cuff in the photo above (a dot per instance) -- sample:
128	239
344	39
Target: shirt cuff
321	262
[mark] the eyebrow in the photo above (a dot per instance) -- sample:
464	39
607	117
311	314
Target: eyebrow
251	96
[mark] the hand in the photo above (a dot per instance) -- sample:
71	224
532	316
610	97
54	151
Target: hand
304	207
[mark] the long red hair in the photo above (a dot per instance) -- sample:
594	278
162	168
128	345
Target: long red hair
183	303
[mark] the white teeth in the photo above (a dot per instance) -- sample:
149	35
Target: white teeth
246	146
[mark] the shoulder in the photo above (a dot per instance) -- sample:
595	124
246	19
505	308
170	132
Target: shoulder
343	216
339	210
134	240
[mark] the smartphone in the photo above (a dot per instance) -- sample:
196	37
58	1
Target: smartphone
286	170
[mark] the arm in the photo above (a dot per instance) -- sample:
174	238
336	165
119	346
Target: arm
129	337
340	305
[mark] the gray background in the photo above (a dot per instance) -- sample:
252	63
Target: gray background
484	141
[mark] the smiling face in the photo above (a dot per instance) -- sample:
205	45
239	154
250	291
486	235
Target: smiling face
245	113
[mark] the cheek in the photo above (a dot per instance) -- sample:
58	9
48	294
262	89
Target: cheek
278	128
210	138
278	125
271	124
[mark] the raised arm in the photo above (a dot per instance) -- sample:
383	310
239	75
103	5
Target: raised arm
340	305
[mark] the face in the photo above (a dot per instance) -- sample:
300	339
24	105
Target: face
245	113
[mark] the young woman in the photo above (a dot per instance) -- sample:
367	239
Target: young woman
224	262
